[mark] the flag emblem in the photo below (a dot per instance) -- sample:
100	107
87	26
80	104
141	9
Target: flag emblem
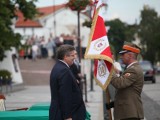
102	69
100	44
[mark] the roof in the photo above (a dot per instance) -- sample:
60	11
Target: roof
44	11
21	22
50	9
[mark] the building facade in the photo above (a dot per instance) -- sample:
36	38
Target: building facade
54	21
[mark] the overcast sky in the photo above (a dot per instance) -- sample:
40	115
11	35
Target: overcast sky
126	10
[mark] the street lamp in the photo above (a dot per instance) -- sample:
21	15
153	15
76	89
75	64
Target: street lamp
78	38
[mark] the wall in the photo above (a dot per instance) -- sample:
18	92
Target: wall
11	64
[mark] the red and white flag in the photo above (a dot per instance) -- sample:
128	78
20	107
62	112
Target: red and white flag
98	49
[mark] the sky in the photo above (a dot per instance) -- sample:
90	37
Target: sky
127	11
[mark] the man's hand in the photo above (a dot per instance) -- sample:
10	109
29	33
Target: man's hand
68	119
80	75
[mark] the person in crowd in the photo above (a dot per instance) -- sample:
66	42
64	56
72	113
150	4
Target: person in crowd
50	48
44	52
128	104
66	97
34	52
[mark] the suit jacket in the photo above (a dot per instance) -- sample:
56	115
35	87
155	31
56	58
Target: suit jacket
66	96
75	70
129	86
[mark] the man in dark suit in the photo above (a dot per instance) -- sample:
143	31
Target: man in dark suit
66	97
128	104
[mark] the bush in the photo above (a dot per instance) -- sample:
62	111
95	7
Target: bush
5	76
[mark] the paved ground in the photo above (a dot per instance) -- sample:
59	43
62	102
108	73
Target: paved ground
36	89
151	99
36	72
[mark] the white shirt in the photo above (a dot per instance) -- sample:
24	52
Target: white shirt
64	62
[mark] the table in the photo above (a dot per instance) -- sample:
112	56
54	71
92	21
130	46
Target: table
24	115
40	106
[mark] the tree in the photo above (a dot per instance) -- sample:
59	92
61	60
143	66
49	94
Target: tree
149	35
8	11
119	33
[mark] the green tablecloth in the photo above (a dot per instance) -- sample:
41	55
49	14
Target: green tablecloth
40	106
45	106
24	115
39	111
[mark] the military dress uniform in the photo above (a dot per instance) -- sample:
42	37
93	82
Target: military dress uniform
129	86
127	103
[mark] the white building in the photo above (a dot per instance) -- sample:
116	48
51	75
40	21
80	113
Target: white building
55	21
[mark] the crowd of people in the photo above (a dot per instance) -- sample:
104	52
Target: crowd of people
38	47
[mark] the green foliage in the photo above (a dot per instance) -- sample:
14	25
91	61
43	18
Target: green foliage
149	34
27	7
5	75
8	10
87	23
118	33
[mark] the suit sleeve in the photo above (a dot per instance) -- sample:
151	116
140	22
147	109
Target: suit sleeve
65	92
125	80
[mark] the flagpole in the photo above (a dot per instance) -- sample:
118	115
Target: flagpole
108	101
79	44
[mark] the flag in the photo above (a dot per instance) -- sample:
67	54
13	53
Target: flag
98	49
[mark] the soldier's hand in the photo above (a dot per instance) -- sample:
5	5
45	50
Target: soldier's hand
110	105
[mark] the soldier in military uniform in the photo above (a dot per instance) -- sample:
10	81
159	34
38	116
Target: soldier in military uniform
128	104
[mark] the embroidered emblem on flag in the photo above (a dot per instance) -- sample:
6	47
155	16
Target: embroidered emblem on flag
102	69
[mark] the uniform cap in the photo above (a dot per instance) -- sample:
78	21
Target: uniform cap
130	47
